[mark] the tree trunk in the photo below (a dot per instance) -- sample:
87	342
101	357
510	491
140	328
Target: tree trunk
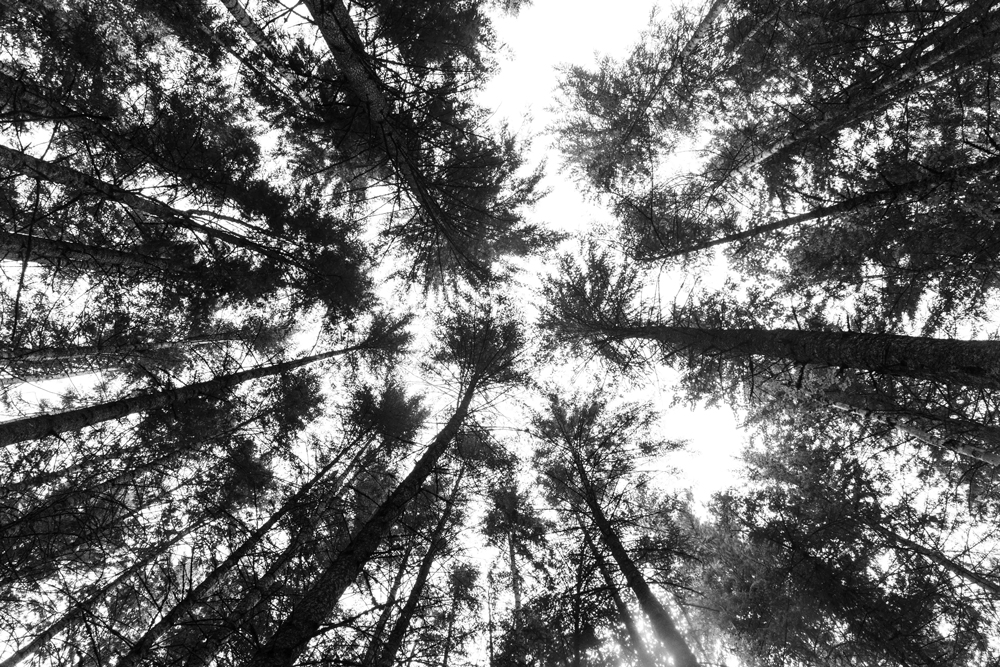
72	352
635	638
85	607
206	652
41	426
936	557
663	625
515	583
345	45
871	94
975	363
143	646
56	253
957	175
858	405
303	623
59	174
374	648
387	656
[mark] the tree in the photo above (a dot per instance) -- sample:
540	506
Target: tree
596	305
484	349
585	436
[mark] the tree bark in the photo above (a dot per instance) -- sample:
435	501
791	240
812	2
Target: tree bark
41	426
387	656
658	616
975	363
957	175
635	638
303	623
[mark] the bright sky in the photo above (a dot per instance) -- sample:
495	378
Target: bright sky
542	36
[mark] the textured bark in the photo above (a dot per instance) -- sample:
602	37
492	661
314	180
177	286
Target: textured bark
394	641
303	623
846	206
637	645
85	607
975	363
144	645
41	426
663	625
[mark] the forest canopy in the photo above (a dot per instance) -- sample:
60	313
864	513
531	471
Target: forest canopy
293	372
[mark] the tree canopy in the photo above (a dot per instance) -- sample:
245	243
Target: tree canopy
293	373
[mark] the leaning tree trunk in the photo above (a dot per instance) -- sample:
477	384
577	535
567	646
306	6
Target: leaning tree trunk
304	622
975	363
144	645
60	253
374	647
206	651
659	618
936	557
387	656
855	404
59	174
635	638
969	31
41	426
344	42
86	607
957	175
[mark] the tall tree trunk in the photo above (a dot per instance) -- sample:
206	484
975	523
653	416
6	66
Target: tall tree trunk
41	426
144	645
374	648
344	42
59	174
51	252
637	645
107	349
663	625
394	641
871	94
975	363
202	655
957	175
515	582
986	583
303	623
858	405
85	607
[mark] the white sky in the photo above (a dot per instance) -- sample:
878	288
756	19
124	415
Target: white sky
542	36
